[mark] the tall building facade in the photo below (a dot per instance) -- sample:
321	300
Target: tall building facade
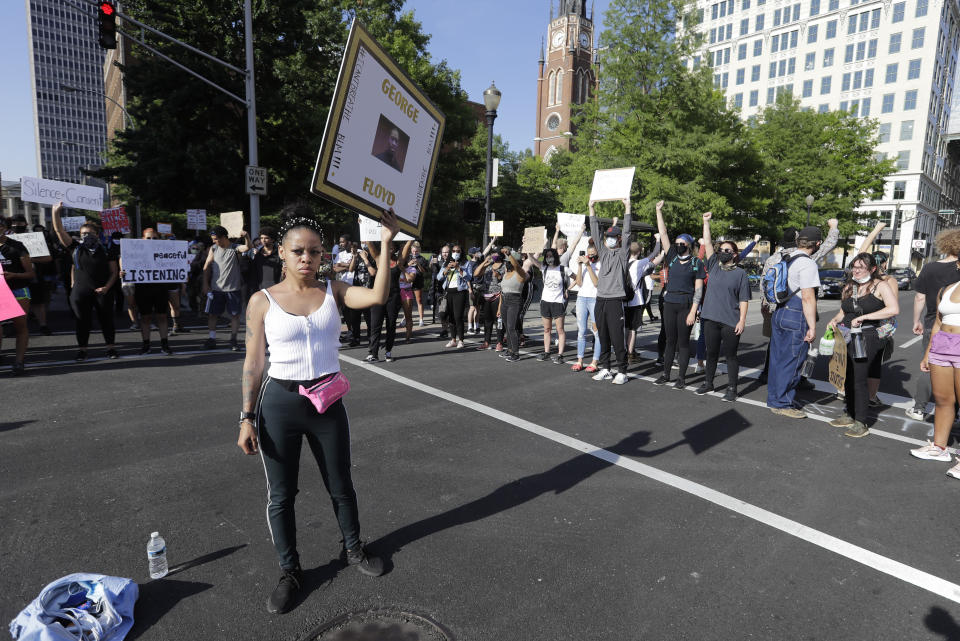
66	73
892	60
566	75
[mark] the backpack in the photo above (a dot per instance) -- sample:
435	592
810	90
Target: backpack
774	286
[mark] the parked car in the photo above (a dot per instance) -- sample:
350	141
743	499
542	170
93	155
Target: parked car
831	282
906	277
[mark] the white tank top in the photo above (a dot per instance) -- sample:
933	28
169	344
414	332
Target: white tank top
303	348
949	311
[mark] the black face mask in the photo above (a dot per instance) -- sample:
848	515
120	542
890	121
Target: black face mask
725	256
680	248
549	260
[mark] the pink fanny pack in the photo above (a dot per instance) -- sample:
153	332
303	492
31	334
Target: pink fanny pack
326	392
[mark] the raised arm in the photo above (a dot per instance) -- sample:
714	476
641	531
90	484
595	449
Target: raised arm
625	230
707	238
657	248
245	247
572	246
831	241
662	226
872	236
749	248
595	232
405	253
517	266
58	227
357	297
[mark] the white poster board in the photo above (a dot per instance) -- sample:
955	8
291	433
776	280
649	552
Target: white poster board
496	228
197	219
570	224
35	243
164	228
612	184
154	261
232	221
370	230
73	223
50	192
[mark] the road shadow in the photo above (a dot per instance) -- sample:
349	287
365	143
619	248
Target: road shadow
13	425
206	558
557	480
40	369
939	621
159	597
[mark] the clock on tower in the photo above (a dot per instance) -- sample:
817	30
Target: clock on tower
566	75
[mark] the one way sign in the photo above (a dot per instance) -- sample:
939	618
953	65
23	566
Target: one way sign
257	180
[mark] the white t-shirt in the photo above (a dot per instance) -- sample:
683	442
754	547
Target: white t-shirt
344	258
803	273
553	285
636	269
587	288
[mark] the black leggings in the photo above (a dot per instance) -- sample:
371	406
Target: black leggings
378	314
677	337
528	294
284	419
83	302
510	312
353	317
856	394
662	337
490	318
457	311
715	334
609	315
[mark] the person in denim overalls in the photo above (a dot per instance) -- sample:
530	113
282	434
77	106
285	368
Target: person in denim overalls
794	325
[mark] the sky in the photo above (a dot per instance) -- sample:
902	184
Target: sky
487	40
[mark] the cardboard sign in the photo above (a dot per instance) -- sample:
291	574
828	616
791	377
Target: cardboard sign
233	222
73	223
382	138
838	363
612	184
9	307
197	219
534	240
164	228
370	230
154	261
50	192
570	224
115	220
35	243
496	228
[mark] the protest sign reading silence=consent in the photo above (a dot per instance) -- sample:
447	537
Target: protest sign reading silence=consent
50	192
154	261
382	139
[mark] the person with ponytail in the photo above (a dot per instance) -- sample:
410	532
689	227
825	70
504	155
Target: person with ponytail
301	395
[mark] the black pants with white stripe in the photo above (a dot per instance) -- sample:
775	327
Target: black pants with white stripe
285	419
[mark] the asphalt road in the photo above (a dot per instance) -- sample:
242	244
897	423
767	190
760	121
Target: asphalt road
512	501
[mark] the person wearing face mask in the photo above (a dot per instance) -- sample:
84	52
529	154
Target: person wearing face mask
473	314
440	310
152	302
612	283
724	313
586	281
681	301
387	313
639	269
866	301
455	276
553	303
511	300
488	275
94	272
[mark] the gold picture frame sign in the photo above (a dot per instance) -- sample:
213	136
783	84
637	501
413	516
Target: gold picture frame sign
377	106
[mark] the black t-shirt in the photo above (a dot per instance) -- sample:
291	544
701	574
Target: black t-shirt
11	253
266	269
683	276
934	277
91	269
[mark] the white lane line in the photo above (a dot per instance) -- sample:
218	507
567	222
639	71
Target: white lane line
891	567
911	342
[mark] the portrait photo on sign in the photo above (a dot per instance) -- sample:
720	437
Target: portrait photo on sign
390	144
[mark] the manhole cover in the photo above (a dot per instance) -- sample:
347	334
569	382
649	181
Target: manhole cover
380	625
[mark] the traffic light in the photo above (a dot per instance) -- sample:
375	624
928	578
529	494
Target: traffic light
107	19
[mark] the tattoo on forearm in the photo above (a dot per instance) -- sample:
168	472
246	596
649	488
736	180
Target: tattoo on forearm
697	295
249	385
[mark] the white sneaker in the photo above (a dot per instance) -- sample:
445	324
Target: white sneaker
931	452
452	343
388	357
420	324
371	359
915	414
619	379
459	344
603	375
955	470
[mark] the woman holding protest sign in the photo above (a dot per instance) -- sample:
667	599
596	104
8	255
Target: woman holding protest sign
17	272
93	273
301	395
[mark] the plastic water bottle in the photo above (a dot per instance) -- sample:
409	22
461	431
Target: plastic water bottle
157	556
858	348
499	322
807	370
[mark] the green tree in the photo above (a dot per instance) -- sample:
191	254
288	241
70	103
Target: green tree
830	156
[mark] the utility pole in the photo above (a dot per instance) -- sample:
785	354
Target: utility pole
251	116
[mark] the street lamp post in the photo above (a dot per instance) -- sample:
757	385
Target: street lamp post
491	99
809	201
126	114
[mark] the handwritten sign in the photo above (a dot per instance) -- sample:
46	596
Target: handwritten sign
73	223
370	230
838	364
534	240
9	307
115	220
570	224
154	261
35	243
233	222
50	192
612	184
496	228
197	219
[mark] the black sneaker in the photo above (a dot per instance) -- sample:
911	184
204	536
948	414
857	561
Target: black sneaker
512	358
234	346
703	389
281	601
210	343
367	564
558	359
663	380
659	361
17	369
81	356
145	349
165	348
353	343
680	384
45	330
730	395
112	353
542	356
